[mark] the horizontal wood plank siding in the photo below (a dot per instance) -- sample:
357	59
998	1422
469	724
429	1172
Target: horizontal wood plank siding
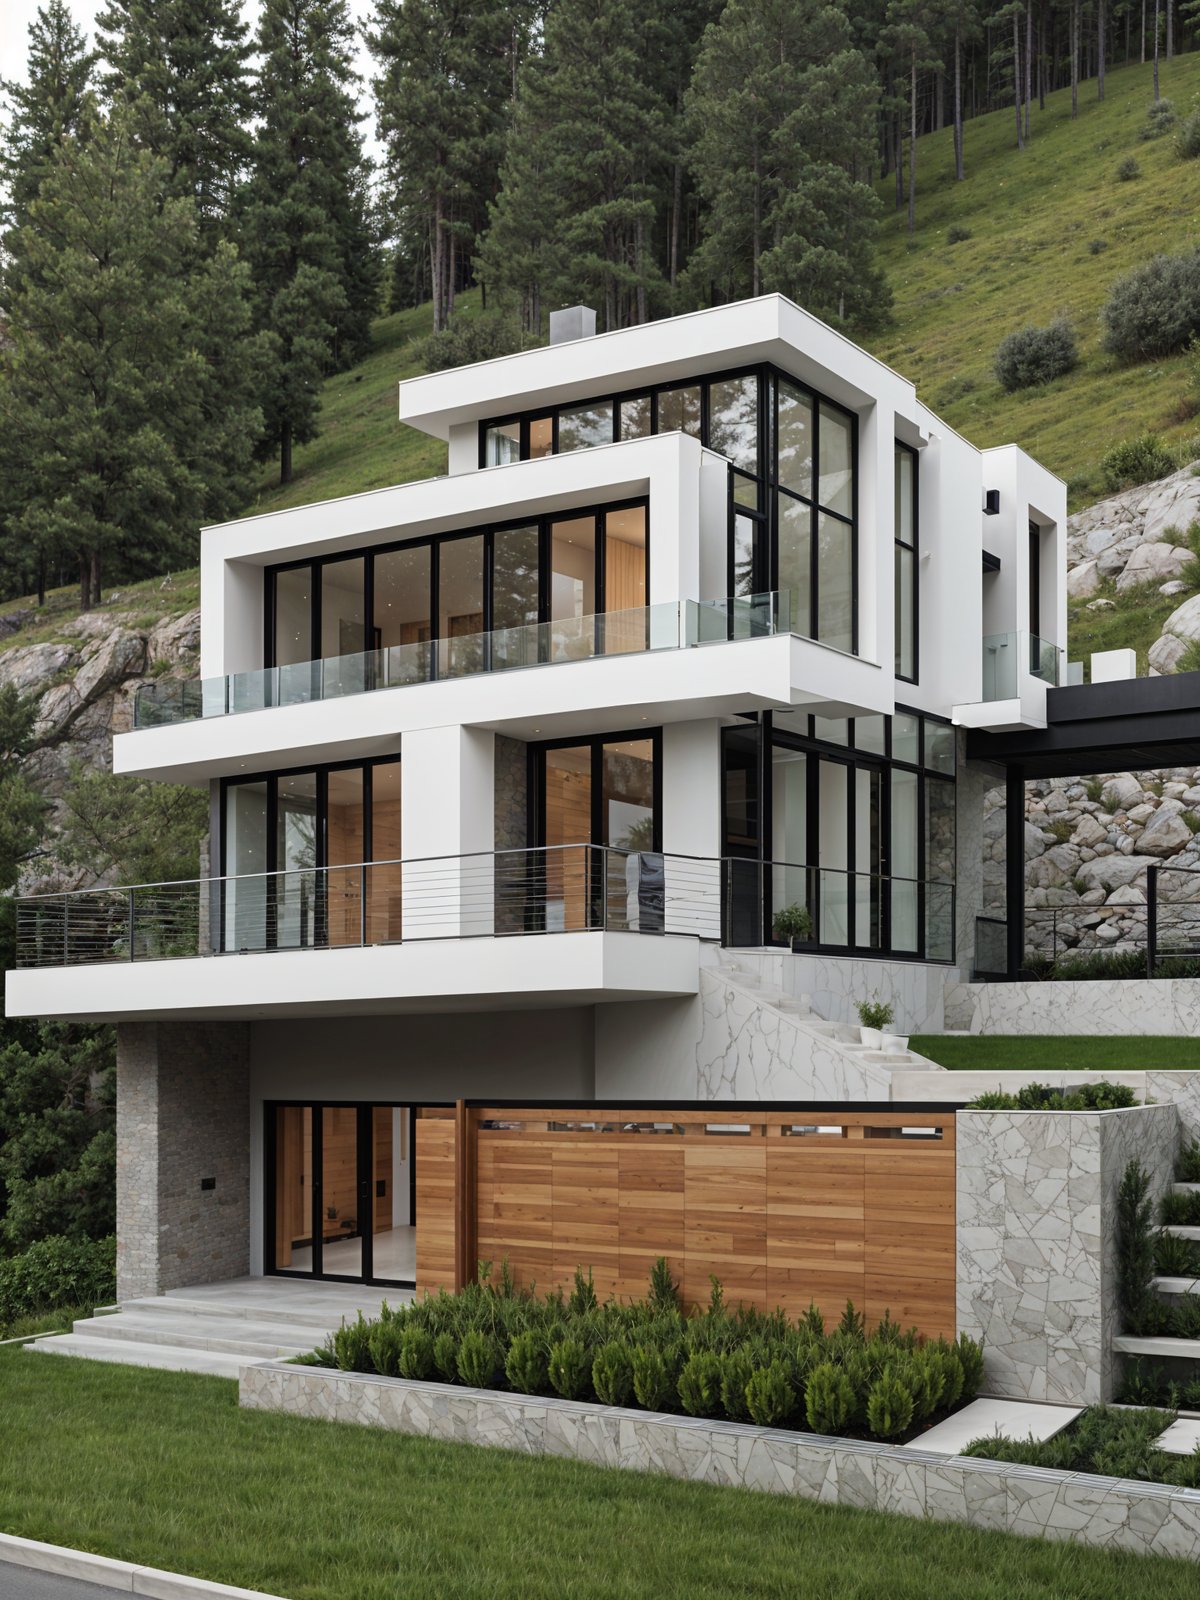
853	1212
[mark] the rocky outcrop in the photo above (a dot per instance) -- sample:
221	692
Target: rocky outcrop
85	683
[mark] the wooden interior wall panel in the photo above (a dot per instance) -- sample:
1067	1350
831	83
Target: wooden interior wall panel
725	1220
586	1226
650	1202
815	1226
434	1149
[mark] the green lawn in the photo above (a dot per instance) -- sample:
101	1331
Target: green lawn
1045	1053
163	1469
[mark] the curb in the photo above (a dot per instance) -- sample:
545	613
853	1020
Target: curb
122	1575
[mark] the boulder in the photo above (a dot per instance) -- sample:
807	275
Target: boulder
1153	563
1167	835
1173	587
1122	791
1111	872
1083	581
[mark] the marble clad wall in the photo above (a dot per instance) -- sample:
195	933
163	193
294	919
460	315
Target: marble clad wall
1147	1518
1037	1240
1122	1006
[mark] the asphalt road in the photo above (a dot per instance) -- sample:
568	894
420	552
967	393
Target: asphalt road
26	1583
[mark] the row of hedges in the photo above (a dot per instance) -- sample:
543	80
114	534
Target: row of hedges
1101	1096
57	1272
740	1365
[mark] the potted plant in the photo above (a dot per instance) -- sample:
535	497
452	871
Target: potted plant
793	925
873	1016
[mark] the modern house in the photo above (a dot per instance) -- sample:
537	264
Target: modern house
525	779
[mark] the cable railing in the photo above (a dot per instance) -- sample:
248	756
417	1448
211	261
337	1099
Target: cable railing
1153	925
672	625
557	889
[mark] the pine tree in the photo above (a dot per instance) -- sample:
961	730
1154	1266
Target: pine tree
180	67
585	153
782	112
448	76
51	107
305	227
127	410
907	39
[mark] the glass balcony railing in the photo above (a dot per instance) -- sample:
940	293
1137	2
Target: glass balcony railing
1009	657
672	625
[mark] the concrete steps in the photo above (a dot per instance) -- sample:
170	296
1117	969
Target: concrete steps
217	1329
1160	1345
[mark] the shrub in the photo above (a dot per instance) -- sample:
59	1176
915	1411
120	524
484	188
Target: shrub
770	1397
874	1013
468	339
1160	118
664	1291
55	1272
889	1406
583	1293
1094	789
1135	1248
352	1345
652	1384
737	1367
612	1374
1187	136
1031	356
700	1384
383	1344
1175	1257
416	1358
828	1398
477	1359
1135	461
1128	170
1097	246
1155	309
525	1366
568	1367
1101	1096
445	1356
1182	1208
970	1359
955	234
793	922
1187	1168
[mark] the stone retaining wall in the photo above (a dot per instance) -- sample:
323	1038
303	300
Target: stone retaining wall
1118	1006
1149	1519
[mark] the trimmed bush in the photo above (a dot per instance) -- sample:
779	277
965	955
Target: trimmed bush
828	1399
469	339
1032	356
1102	1096
770	1397
526	1365
1154	310
1135	1249
58	1272
477	1361
889	1406
740	1363
568	1367
700	1384
612	1374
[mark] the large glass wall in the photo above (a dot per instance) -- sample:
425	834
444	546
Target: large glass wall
858	832
906	563
459	603
793	480
294	848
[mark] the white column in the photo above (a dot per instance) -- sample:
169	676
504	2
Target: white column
691	826
448	831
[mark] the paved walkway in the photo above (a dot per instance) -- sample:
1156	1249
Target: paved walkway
23	1583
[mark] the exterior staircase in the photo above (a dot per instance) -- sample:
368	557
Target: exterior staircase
202	1331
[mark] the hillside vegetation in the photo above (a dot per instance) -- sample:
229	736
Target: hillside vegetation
1051	227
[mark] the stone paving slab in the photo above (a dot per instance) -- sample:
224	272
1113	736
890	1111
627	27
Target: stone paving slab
1181	1438
987	1419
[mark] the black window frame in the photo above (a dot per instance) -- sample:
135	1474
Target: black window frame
914	551
536	782
434	543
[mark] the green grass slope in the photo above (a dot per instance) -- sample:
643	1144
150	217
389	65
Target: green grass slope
1035	218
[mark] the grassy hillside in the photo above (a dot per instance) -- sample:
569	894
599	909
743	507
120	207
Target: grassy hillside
1051	227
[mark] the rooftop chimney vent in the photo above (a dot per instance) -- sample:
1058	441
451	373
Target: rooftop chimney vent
573	322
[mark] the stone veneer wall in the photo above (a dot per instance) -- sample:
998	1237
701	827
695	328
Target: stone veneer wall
1148	1518
1119	1006
183	1114
512	786
1037	1241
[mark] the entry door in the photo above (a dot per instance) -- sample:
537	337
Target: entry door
850	854
341	1192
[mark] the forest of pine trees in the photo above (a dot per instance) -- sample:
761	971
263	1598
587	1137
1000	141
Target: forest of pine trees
193	238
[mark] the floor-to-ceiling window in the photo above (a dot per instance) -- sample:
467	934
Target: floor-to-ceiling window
311	858
906	596
853	837
462	603
340	1196
597	817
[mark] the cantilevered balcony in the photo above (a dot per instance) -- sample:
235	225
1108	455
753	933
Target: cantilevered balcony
675	625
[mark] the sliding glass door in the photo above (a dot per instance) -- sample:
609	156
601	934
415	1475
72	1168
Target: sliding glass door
340	1199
